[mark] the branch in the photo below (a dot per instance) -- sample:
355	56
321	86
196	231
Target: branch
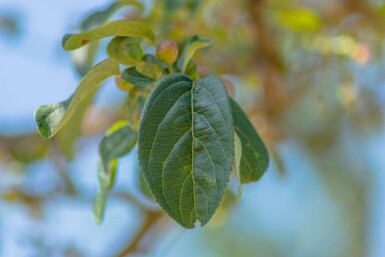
133	246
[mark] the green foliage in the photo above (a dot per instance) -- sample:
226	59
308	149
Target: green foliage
70	132
192	45
131	75
119	141
100	17
190	132
92	21
255	159
51	118
119	28
186	146
125	49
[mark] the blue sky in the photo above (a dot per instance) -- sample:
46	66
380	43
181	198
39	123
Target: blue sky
34	70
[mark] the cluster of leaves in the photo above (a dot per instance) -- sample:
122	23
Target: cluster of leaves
190	133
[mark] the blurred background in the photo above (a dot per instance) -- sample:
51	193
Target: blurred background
311	75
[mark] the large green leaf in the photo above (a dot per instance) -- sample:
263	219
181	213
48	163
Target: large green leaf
255	158
119	28
186	146
119	141
192	45
51	118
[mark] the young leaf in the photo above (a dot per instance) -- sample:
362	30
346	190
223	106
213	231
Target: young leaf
255	158
119	28
126	50
192	45
149	58
86	62
70	132
186	146
100	17
51	118
119	141
136	78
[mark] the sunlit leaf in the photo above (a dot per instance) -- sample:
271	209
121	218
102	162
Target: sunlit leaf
118	28
84	60
186	146
192	45
136	78
126	50
70	132
255	158
51	118
119	141
100	17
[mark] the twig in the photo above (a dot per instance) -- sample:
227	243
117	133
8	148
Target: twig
133	246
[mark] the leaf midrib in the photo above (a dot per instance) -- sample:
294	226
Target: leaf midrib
192	152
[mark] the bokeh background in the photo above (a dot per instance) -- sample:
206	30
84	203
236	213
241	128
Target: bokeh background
311	75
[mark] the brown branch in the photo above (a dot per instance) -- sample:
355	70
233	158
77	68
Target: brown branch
269	60
133	246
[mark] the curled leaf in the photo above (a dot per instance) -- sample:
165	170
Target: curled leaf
118	28
51	118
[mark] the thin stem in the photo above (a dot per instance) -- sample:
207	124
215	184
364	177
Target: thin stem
170	69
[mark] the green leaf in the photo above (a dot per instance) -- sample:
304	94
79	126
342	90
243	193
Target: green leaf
186	146
51	118
136	78
100	17
70	132
192	69
149	58
119	28
126	50
192	45
255	158
119	141
84	61
237	160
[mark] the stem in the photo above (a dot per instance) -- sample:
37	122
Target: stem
170	69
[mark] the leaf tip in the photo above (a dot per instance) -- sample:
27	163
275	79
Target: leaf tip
98	210
66	37
98	220
42	128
